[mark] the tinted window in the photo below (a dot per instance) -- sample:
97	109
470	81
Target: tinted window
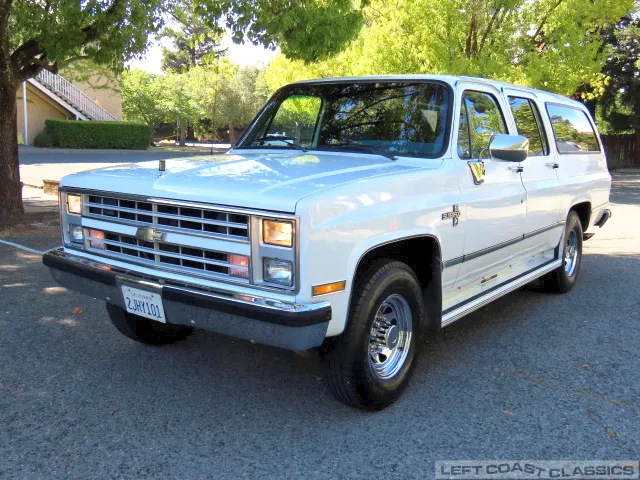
572	129
528	122
480	119
396	117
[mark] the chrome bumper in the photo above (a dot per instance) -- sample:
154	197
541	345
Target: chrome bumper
254	318
604	217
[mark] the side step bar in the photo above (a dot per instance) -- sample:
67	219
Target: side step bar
498	292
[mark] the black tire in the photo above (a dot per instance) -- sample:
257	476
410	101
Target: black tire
144	330
561	280
348	369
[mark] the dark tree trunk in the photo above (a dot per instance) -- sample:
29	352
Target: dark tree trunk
181	133
10	188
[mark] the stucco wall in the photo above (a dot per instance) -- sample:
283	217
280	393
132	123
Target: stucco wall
39	109
108	98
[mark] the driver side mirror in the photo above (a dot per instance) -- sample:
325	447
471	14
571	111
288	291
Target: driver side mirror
510	148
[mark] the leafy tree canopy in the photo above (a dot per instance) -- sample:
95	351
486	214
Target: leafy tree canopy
208	97
54	33
549	44
196	39
620	101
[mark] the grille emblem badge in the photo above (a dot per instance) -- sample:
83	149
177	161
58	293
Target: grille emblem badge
149	234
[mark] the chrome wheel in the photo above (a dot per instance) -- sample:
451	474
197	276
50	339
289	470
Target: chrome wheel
390	337
571	253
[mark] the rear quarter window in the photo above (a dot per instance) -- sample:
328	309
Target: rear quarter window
572	129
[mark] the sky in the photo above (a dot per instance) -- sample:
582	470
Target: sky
243	55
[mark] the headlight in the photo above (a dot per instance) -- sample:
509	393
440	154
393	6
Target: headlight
278	271
75	233
277	233
74	204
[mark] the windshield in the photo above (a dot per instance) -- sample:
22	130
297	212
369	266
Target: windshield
391	118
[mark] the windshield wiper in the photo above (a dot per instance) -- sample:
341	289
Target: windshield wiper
290	142
363	148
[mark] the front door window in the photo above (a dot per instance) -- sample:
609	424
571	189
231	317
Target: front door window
480	119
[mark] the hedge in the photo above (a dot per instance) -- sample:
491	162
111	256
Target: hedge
92	134
43	140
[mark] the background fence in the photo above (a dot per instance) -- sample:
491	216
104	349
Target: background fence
622	150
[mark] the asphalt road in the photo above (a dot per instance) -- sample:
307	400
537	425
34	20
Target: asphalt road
38	164
531	376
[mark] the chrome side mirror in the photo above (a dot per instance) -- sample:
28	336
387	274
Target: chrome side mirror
510	148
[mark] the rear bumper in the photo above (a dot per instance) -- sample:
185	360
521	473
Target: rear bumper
604	217
254	318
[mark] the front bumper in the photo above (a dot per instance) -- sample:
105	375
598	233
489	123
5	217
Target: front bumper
254	318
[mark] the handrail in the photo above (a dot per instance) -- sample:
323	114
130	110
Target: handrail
73	96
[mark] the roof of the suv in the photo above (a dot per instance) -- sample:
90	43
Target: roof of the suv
450	79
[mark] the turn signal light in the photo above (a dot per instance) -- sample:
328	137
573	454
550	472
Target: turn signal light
94	239
329	288
240	261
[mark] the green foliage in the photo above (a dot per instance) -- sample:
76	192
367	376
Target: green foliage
78	134
43	140
620	99
206	97
196	39
54	33
239	97
549	44
141	97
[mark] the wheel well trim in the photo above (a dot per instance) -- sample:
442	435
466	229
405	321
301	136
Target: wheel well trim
582	201
354	271
389	242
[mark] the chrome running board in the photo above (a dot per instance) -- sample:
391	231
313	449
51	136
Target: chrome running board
457	312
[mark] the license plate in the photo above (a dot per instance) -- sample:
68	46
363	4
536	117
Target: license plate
143	303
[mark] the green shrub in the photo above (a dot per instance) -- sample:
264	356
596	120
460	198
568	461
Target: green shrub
43	140
90	134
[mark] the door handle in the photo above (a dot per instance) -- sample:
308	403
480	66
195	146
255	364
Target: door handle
553	164
517	169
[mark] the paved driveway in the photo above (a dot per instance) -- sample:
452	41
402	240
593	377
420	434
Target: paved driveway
37	164
531	376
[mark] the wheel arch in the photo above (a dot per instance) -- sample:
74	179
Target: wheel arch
583	209
422	253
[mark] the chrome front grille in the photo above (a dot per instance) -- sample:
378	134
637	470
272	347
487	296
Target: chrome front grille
170	256
168	217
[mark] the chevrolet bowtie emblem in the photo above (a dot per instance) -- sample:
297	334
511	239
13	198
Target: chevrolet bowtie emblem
454	214
149	234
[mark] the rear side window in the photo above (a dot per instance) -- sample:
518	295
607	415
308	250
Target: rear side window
480	119
527	118
572	129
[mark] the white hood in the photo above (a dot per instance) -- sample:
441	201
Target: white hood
265	181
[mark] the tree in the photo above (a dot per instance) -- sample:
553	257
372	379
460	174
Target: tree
37	35
620	101
239	99
549	44
142	94
50	35
196	40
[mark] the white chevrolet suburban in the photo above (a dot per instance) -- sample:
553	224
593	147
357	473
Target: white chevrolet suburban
354	214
